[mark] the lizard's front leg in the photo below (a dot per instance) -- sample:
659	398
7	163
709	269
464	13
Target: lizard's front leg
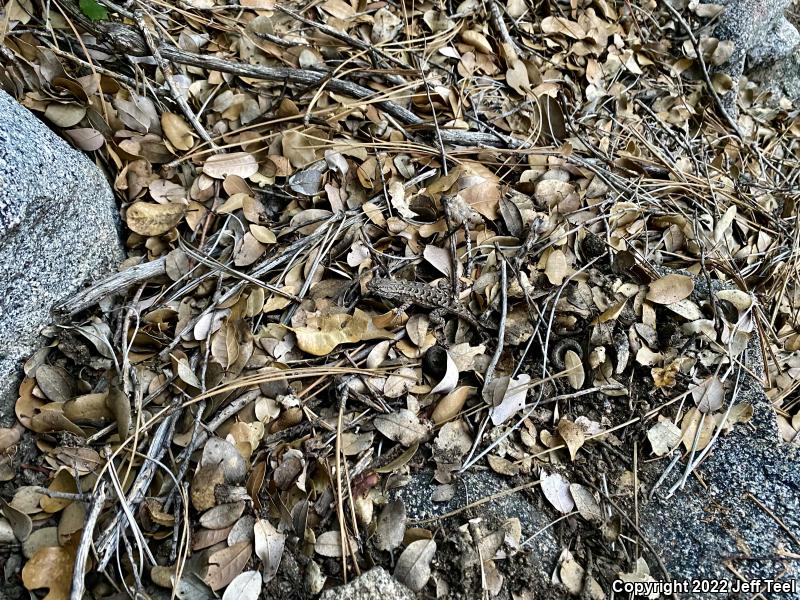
437	320
398	312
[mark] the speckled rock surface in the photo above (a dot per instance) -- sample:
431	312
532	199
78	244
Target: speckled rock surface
703	531
58	231
474	485
375	584
765	44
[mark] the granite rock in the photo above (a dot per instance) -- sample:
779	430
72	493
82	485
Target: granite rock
750	480
374	584
59	229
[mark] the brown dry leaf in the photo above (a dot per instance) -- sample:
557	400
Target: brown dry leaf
90	407
224	565
574	368
221	166
391	526
697	425
323	333
586	503
148	218
50	568
120	406
556	268
573	576
450	406
177	131
8	437
480	187
64	481
413	568
573	436
55	383
52	419
670	289
402	426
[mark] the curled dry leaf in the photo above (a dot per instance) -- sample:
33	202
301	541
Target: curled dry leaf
449	380
148	218
414	565
573	436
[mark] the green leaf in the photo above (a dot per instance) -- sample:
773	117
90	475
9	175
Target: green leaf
94	10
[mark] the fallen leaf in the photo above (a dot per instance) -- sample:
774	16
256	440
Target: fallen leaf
402	426
224	565
269	547
663	437
220	166
148	218
556	490
413	568
391	526
50	568
245	586
670	289
573	436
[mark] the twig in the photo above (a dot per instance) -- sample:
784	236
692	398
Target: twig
501	330
82	554
177	95
113	284
477	503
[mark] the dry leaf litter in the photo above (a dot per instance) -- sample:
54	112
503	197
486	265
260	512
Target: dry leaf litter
232	411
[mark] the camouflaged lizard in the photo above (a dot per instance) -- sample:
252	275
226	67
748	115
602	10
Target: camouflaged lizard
426	296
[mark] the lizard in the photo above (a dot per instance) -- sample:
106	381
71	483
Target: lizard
426	296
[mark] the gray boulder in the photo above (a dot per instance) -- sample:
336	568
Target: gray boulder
766	46
747	512
375	584
59	229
